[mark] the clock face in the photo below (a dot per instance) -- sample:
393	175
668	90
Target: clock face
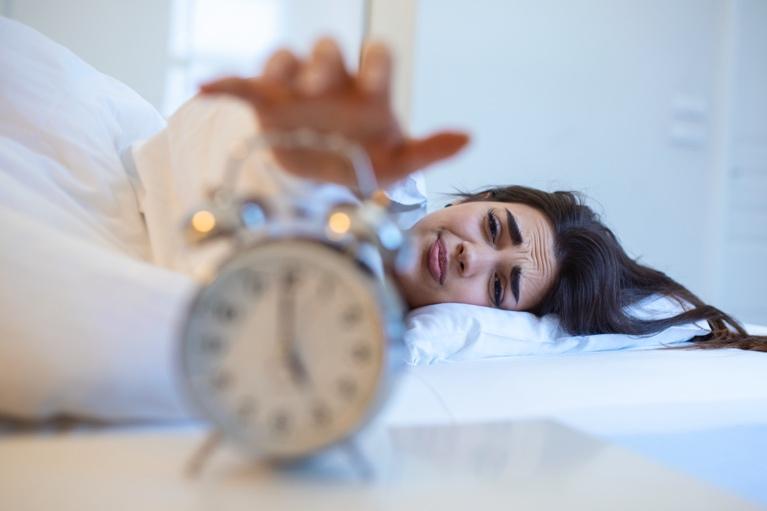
285	350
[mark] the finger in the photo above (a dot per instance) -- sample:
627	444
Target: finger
252	90
329	60
325	72
420	153
282	68
375	71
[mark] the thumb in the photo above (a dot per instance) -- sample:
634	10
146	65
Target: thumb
420	153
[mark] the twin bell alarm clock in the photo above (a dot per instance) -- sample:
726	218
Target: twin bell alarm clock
290	345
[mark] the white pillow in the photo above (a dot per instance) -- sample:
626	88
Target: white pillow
455	331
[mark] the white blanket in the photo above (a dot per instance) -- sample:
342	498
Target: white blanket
85	319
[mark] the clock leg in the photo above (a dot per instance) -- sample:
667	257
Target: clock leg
202	454
359	461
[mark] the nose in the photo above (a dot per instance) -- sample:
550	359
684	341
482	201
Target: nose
472	259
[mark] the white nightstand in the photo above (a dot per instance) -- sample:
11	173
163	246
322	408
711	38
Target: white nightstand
514	465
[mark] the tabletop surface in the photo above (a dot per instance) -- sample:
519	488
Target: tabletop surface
535	464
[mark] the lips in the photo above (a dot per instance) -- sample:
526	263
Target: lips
437	260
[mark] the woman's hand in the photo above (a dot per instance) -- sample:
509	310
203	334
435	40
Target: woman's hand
320	94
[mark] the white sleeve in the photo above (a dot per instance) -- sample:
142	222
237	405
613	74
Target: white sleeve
408	200
85	330
176	169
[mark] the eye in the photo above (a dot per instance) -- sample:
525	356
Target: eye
516	274
497	290
493	225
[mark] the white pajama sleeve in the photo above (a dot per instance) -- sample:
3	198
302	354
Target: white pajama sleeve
86	331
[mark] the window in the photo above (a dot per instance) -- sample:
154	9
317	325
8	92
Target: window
215	37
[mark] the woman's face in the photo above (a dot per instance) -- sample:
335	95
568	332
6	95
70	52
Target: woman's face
495	254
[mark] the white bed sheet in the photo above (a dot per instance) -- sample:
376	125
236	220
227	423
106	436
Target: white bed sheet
602	393
701	412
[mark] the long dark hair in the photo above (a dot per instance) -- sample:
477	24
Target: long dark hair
597	280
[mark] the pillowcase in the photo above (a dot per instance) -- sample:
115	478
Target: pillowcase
456	331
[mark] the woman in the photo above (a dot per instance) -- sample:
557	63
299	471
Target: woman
513	247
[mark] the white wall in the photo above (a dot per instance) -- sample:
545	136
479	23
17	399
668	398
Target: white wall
124	39
617	99
743	277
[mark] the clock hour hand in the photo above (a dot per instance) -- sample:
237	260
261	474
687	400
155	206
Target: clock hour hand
297	368
290	355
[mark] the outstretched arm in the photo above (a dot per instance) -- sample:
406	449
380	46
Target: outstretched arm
319	93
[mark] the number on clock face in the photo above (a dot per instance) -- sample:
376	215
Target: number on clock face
285	349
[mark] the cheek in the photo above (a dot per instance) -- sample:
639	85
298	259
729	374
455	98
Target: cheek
425	226
471	291
415	291
451	218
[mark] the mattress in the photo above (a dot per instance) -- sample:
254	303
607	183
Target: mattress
703	412
594	391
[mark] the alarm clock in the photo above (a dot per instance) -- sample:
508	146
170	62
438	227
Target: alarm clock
292	343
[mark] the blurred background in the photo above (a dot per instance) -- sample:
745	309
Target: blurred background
656	109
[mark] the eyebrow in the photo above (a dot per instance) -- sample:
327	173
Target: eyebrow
514	234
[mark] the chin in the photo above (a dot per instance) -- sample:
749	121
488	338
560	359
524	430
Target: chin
415	285
411	289
405	286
